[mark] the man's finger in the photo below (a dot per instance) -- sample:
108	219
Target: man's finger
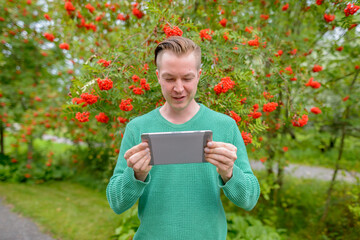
134	159
135	149
221	158
214	144
142	165
216	163
221	151
146	163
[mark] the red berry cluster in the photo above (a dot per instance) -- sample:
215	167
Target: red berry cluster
293	52
242	101
64	46
289	70
104	62
49	36
279	53
122	120
246	137
144	85
329	17
301	121
317	68
264	17
226	36
82	117
102	118
269	107
69	7
105	84
285	7
90	7
267	95
254	114
339	48
89	98
122	17
205	34
79	101
137	13
249	29
175	31
225	85
88	26
235	116
125	105
47	17
223	22
254	42
315	110
351	9
313	84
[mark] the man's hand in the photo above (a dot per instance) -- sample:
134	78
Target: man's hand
222	155
138	158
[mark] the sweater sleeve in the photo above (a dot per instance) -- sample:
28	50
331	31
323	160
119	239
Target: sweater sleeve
123	189
243	188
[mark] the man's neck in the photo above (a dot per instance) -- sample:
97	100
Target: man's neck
179	117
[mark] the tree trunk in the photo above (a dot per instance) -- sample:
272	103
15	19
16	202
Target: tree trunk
291	133
337	167
279	181
30	151
2	138
332	142
280	176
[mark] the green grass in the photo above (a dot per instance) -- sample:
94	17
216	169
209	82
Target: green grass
66	210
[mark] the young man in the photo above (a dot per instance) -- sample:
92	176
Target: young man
182	201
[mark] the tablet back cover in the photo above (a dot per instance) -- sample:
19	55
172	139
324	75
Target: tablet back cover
177	147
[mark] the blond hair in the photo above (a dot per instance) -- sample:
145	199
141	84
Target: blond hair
179	46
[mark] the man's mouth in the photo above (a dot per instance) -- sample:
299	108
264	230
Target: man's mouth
179	98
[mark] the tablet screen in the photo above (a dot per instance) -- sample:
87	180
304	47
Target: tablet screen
177	147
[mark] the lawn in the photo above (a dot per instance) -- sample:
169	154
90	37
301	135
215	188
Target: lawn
67	210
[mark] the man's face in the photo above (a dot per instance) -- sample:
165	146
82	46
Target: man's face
178	78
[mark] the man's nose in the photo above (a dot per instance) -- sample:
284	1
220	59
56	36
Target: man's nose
178	86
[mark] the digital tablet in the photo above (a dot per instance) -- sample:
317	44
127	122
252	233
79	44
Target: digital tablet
177	147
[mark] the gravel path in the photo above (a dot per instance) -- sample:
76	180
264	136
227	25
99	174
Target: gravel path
16	227
321	173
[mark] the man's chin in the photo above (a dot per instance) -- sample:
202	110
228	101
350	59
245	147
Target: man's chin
178	106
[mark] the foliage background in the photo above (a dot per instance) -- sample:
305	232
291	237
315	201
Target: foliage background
265	50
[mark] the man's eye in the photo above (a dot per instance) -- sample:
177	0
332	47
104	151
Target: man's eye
188	79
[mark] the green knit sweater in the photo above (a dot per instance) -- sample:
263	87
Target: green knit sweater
182	201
